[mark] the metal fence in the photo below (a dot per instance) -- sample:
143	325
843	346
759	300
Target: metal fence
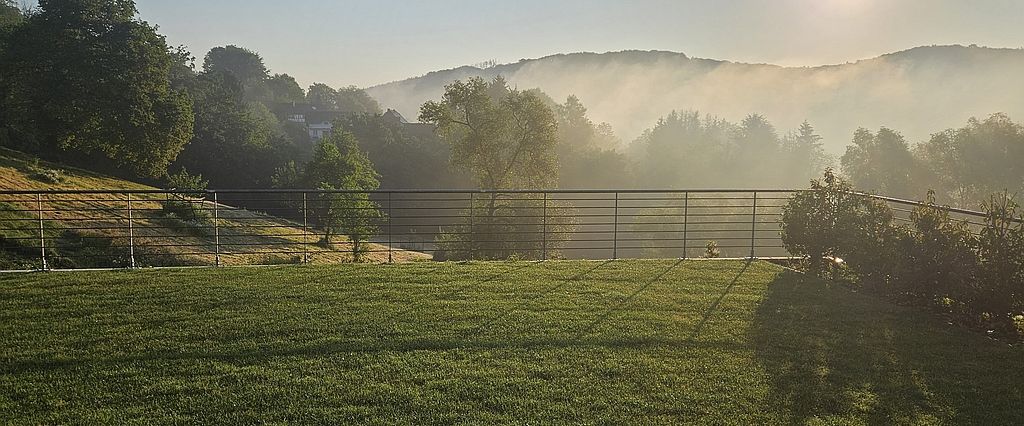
42	230
149	228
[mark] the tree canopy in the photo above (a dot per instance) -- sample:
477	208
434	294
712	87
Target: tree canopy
504	138
87	77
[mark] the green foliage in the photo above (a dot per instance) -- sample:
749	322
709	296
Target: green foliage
1001	252
243	64
349	99
184	181
188	205
64	103
516	229
981	158
587	155
504	138
283	89
406	156
687	150
936	260
338	164
814	221
880	162
711	250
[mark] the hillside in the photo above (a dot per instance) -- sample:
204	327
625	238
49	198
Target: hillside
917	91
90	230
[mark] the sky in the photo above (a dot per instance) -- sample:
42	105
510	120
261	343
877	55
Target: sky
364	43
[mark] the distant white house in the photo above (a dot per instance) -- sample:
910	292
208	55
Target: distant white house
319	123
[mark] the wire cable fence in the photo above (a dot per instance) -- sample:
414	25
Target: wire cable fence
56	230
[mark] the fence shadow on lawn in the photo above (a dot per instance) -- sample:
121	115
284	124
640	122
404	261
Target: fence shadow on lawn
878	362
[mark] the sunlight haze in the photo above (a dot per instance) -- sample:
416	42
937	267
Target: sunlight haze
366	43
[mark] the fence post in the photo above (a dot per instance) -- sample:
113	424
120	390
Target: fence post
42	236
472	232
544	232
216	228
686	220
615	229
305	231
131	234
391	258
753	227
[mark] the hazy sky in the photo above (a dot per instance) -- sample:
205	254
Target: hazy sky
370	42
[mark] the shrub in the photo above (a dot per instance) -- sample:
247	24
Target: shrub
511	227
188	204
711	250
831	221
938	259
51	176
1001	252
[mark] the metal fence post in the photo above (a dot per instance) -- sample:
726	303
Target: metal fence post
544	232
216	228
131	233
305	231
615	229
753	227
686	220
391	258
472	222
42	236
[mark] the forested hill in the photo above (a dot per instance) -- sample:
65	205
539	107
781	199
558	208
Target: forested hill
915	91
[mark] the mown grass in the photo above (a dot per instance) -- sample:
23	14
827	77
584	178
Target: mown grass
722	342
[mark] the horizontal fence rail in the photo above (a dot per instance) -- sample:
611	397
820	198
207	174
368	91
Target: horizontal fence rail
43	230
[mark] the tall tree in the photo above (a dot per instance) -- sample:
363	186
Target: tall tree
92	82
505	138
322	96
880	162
354	100
247	66
283	89
806	157
976	160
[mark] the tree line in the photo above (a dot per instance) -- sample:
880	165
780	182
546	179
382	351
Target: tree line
89	83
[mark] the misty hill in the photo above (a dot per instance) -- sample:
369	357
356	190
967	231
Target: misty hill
917	91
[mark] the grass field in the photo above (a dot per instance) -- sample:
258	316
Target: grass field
246	237
724	342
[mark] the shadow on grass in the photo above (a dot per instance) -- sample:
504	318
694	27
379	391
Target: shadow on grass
834	355
714	306
561	283
618	307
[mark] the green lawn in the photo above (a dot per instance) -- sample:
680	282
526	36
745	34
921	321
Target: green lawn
520	342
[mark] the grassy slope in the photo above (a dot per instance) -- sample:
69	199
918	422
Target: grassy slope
248	230
640	341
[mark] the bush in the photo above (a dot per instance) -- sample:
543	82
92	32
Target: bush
187	205
1001	252
711	250
935	261
51	176
937	257
831	221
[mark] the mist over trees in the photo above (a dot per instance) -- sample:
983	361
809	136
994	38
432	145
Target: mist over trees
686	150
229	119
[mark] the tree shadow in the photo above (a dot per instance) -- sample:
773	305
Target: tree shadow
560	284
714	306
834	356
610	311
